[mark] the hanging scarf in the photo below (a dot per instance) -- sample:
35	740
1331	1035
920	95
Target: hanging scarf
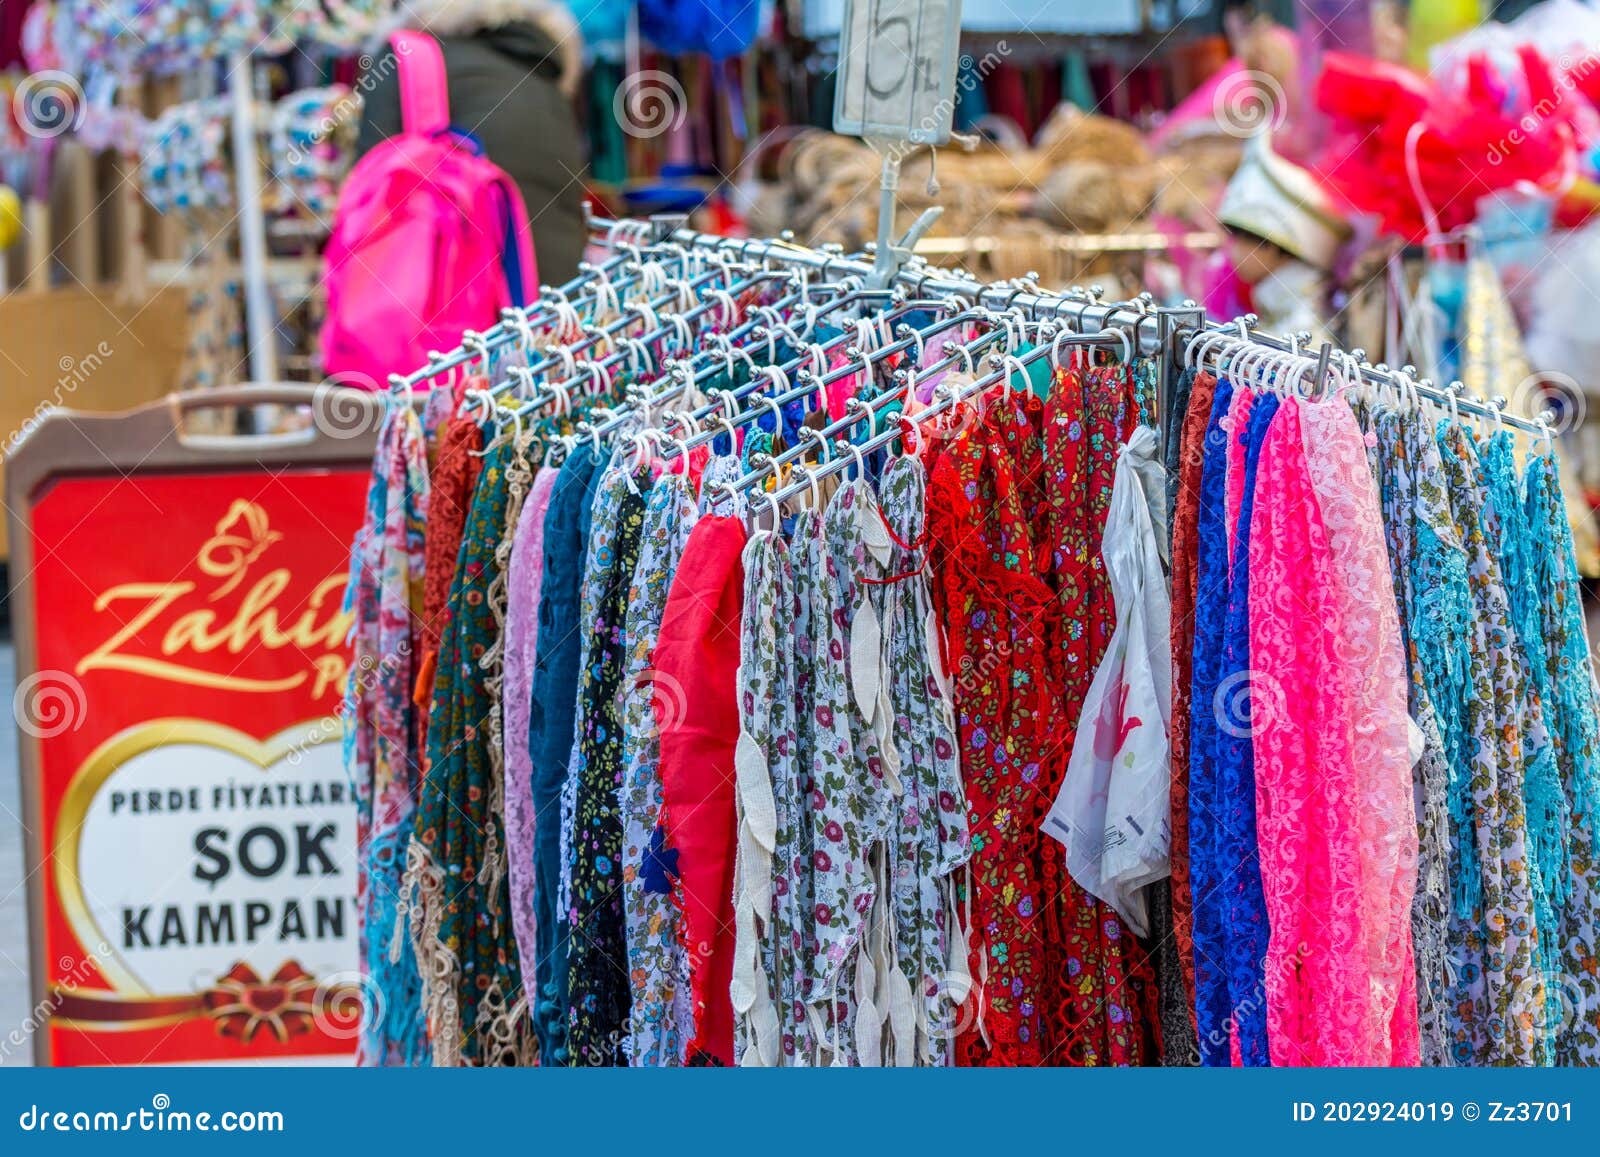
453	479
550	730
1371	669
765	815
524	577
455	875
398	774
1212	1003
1112	1017
699	648
662	1021
1500	993
1430	908
991	600
1316	974
1575	732
599	991
929	840
385	594
598	521
1186	474
1237	705
1549	820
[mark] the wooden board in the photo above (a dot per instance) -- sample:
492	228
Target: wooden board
84	350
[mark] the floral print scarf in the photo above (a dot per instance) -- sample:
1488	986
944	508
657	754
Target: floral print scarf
1185	476
762	989
1396	461
661	1020
456	884
599	994
1563	650
381	724
929	841
1498	991
1548	816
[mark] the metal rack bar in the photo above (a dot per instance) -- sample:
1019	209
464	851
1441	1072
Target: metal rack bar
1153	330
1381	375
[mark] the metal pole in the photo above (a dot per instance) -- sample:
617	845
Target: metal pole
884	265
260	319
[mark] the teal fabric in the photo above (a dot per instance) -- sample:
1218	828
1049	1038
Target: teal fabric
550	730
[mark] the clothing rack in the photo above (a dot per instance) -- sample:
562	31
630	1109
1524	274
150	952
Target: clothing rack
688	595
1152	325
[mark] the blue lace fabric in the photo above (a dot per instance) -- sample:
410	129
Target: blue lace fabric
1207	875
1244	921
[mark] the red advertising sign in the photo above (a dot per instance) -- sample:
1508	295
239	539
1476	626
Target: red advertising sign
191	830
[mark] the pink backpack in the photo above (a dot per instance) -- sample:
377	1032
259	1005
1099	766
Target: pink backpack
430	238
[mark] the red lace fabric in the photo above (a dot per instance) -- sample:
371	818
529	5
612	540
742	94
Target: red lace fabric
1018	498
1185	548
453	479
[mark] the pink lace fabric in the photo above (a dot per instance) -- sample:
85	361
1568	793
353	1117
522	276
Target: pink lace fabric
1308	792
1235	425
1371	667
524	576
840	392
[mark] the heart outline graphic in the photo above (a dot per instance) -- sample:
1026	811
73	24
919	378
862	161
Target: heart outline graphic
102	763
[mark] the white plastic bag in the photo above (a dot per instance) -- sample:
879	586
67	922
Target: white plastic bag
1113	810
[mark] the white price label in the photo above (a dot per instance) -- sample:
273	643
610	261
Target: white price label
897	70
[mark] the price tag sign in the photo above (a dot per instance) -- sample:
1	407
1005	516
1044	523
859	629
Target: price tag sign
191	832
897	70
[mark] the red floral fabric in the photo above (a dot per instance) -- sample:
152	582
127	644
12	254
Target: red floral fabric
454	478
1018	497
994	603
1105	998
